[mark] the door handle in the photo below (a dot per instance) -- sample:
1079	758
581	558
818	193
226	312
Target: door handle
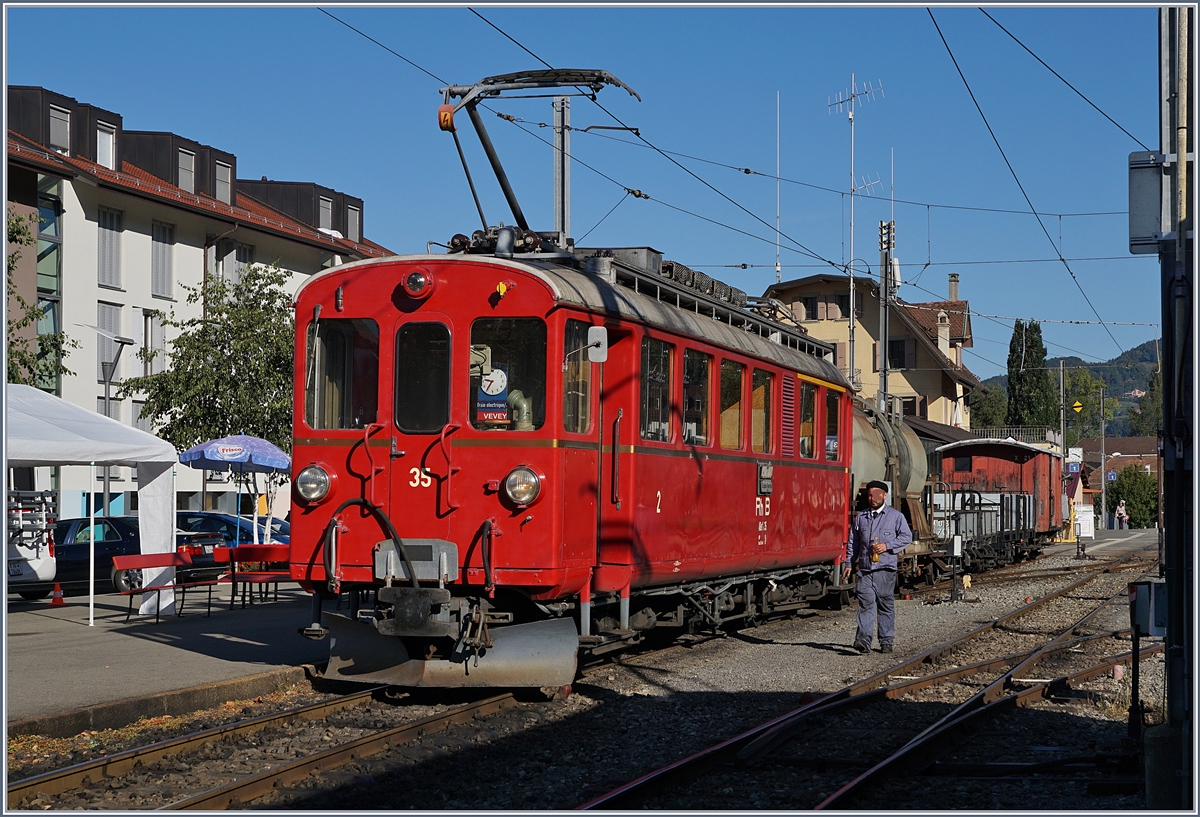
616	460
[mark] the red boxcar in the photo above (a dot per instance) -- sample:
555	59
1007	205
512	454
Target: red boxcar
1007	496
506	499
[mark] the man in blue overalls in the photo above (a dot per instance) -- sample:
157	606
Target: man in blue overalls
878	534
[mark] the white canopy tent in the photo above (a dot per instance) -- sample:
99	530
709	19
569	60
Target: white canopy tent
45	430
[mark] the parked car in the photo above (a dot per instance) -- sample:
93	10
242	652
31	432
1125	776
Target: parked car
115	536
234	529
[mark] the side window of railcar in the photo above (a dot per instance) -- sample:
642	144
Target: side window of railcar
577	379
656	390
422	377
833	409
760	411
731	403
962	464
342	373
808	417
696	396
508	374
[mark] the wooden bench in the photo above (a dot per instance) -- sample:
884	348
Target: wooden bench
152	561
263	578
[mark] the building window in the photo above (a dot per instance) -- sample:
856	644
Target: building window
842	302
243	256
60	130
656	390
760	411
162	278
154	342
187	171
49	257
731	404
696	368
108	261
106	145
108	320
353	224
325	219
224	183
808	306
139	422
896	353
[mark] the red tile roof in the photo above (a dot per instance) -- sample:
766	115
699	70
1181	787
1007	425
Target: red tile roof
926	315
246	211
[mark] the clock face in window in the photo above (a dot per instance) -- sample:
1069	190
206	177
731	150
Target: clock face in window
494	382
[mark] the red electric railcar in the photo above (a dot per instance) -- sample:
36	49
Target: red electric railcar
520	454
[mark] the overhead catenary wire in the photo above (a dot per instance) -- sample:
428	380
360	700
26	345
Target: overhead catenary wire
1016	178
617	119
1064	81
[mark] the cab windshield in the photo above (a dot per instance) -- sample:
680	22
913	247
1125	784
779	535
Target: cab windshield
507	389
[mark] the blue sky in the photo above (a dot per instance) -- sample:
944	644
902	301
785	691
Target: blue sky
295	95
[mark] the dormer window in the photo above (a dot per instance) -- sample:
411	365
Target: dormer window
106	145
224	182
60	130
325	221
353	223
187	171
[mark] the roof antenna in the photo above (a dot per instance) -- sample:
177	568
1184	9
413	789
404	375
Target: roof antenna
846	100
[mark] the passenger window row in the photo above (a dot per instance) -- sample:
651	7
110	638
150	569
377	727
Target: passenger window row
799	439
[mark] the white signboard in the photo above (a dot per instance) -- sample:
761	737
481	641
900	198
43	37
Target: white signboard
1074	455
1085	522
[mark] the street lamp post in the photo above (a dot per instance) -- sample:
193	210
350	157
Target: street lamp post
107	369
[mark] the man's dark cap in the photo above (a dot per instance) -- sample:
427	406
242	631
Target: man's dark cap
877	484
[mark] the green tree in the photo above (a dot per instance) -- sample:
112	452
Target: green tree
229	372
33	361
1147	418
1139	489
989	406
1032	398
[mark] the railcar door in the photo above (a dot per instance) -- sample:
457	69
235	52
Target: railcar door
422	484
618	430
579	444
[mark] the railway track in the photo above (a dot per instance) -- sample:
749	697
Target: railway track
227	766
843	749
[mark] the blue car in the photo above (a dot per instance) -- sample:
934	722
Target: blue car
234	529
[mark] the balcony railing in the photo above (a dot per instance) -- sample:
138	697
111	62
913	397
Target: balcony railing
1035	435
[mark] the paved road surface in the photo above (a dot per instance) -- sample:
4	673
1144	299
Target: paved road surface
55	662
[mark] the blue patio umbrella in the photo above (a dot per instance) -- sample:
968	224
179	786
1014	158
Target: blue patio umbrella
241	454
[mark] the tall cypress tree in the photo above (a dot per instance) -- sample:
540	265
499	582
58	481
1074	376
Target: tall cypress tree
1032	398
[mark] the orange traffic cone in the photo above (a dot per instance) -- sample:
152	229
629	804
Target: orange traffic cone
56	598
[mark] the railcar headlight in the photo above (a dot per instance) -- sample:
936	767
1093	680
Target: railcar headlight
313	483
418	284
522	485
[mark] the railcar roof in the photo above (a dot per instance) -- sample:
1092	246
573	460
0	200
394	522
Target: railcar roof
595	293
997	441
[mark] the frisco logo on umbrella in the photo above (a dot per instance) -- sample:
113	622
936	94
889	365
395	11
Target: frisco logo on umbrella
230	450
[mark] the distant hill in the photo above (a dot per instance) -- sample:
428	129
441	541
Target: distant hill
1121	375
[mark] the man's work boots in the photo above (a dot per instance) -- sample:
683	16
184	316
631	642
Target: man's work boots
861	648
885	647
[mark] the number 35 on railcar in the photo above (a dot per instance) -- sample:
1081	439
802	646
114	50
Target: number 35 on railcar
503	458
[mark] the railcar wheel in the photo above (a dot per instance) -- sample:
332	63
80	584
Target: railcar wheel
838	600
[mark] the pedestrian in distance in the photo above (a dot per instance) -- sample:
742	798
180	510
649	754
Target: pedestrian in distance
877	536
1122	516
